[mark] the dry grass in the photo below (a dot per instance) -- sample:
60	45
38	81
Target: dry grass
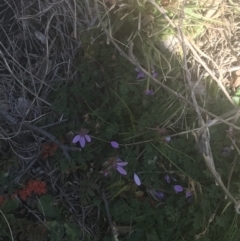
37	50
40	41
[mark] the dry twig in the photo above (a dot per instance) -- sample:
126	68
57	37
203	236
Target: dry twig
12	120
203	136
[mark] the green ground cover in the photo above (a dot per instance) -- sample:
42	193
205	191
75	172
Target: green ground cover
127	157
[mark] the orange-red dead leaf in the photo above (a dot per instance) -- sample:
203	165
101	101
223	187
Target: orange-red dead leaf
48	149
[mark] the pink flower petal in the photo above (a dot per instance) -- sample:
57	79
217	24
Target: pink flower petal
178	188
149	92
188	194
167	178
114	144
121	170
88	138
137	179
104	172
160	195
82	141
76	139
168	138
140	75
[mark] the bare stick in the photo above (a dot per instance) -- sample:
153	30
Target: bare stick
114	231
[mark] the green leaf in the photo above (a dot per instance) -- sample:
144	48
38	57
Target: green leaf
146	103
73	231
10	205
57	231
237	92
117	25
123	189
236	100
45	206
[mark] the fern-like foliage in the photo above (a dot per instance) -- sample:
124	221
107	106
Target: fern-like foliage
87	191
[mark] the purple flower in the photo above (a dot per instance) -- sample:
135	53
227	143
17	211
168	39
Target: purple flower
119	166
149	92
154	73
114	144
105	173
114	163
188	194
140	74
160	195
137	179
167	178
178	188
82	137
167	138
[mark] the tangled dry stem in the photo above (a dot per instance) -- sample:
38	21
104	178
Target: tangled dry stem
37	50
203	136
39	45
